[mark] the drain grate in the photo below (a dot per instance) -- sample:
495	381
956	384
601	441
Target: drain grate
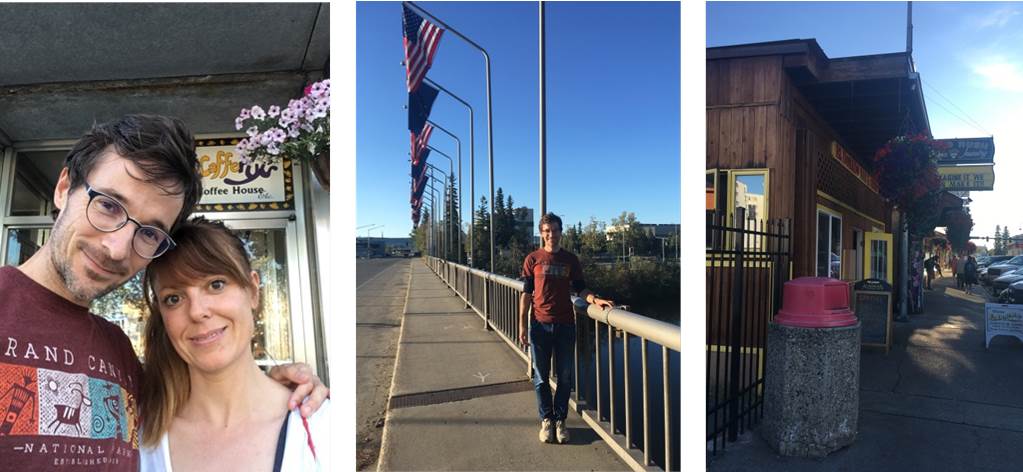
459	394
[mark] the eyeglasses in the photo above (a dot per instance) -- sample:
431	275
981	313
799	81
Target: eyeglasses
108	215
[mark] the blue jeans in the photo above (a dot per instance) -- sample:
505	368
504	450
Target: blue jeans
545	340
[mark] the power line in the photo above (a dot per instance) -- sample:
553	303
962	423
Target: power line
971	122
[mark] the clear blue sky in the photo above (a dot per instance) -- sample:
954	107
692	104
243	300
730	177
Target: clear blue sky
969	56
612	108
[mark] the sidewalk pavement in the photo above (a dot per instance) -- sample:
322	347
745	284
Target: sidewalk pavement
460	399
938	401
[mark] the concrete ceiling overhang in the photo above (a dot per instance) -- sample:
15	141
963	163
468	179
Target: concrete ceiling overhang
65	66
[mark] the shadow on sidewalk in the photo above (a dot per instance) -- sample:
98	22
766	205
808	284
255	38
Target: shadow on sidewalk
938	400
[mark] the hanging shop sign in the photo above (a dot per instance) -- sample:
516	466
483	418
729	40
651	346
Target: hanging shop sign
965	178
966	151
1004	320
849	162
232	185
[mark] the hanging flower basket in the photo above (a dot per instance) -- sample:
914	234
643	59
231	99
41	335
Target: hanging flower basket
960	224
907	175
300	131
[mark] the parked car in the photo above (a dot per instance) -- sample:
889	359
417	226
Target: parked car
996	270
985	261
1013	294
1007	278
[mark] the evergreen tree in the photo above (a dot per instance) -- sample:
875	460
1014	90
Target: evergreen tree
481	237
452	218
999	246
500	222
1006	240
511	229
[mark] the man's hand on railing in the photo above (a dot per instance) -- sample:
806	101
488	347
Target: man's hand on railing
593	299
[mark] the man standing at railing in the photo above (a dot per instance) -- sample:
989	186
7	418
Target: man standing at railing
550	274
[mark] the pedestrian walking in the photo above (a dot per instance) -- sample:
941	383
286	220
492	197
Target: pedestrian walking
969	273
929	267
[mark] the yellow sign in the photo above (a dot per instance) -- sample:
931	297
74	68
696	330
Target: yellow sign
962	178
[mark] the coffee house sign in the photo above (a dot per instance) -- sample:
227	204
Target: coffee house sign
232	185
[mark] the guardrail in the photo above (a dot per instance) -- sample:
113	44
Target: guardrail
636	414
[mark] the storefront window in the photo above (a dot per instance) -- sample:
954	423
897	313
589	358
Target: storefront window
749	192
829	245
22	243
35	176
273	326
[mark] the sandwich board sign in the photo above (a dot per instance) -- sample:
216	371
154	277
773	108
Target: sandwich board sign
872	302
1002	320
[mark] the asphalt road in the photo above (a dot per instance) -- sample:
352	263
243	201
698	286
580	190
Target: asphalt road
381	288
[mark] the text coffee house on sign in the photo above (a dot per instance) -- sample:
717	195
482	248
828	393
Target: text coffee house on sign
53	93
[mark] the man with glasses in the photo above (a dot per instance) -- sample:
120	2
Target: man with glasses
549	275
69	380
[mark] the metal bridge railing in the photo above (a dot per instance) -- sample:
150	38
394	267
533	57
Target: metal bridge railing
624	393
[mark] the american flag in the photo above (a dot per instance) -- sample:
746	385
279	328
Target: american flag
419	167
418	187
419	142
421	40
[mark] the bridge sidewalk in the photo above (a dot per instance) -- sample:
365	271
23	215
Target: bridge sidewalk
460	399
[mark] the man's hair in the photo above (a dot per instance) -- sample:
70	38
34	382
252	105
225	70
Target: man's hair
548	219
162	147
203	247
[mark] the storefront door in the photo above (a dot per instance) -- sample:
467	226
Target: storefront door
280	336
877	256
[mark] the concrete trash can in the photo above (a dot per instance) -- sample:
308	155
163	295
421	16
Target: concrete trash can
812	372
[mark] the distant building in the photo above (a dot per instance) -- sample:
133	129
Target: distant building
1014	247
524	221
652	230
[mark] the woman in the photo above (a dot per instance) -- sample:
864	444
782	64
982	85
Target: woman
214	409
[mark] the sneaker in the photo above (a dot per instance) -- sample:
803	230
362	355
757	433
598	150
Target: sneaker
562	431
546	433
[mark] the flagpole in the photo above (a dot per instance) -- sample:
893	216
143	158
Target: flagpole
460	207
490	123
472	165
451	171
435	168
543	112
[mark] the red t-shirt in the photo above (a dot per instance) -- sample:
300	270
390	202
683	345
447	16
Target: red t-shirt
552	274
69	384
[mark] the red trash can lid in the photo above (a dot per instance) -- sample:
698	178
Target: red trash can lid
815	302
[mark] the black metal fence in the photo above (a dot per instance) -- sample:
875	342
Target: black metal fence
747	261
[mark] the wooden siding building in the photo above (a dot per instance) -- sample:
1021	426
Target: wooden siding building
791	134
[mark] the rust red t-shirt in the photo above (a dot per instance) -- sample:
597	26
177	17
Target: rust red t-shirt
69	382
552	274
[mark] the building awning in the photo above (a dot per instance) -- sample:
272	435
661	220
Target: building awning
66	66
866	100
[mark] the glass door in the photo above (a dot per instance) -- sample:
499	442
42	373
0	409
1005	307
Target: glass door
281	325
877	256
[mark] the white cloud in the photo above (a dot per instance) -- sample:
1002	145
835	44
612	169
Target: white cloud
1000	74
996	19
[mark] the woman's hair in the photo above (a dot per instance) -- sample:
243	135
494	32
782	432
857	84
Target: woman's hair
203	248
